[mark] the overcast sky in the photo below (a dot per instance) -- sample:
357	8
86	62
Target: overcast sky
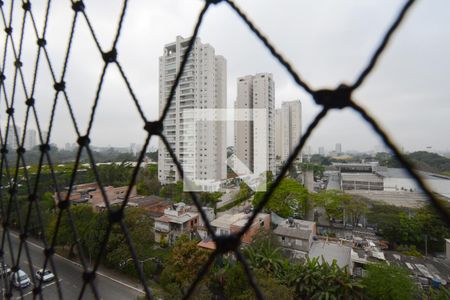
328	42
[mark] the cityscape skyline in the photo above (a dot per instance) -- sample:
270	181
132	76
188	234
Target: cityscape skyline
410	72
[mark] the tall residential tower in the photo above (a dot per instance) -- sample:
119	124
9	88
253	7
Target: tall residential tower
252	143
288	128
200	146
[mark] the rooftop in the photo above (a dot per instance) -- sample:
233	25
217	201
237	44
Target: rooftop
331	251
240	219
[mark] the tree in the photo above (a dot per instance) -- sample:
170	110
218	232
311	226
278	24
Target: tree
264	254
231	282
113	174
332	201
210	199
388	282
288	199
140	229
432	228
317	280
174	191
184	261
316	168
147	182
355	207
84	220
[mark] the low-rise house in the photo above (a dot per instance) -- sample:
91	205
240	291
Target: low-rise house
176	221
202	231
228	224
296	234
90	193
79	194
153	205
115	195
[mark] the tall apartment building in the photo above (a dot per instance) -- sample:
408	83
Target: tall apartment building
200	146
338	148
288	128
12	142
253	143
30	139
322	151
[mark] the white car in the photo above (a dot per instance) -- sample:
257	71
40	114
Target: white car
20	279
45	275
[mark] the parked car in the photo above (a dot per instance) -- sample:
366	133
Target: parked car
45	275
5	270
20	279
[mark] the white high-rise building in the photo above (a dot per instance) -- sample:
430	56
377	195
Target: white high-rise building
288	128
338	148
12	141
200	146
30	139
256	92
322	151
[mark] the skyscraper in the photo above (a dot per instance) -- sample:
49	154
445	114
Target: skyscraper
322	151
12	141
253	143
30	139
288	128
200	146
338	148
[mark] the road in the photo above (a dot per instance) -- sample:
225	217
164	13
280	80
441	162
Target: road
69	277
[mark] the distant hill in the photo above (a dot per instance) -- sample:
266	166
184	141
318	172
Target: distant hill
426	161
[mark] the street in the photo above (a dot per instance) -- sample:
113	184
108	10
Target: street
69	276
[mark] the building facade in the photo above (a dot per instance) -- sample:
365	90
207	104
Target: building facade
30	139
176	221
338	148
296	234
200	146
288	128
256	143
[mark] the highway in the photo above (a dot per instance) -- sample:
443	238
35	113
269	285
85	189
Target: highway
69	277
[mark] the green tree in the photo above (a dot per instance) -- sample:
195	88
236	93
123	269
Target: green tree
409	229
316	168
174	191
147	182
264	254
210	199
388	282
140	229
183	263
317	280
320	160
332	201
288	199
432	228
355	207
84	220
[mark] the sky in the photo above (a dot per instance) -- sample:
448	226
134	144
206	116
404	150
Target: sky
328	42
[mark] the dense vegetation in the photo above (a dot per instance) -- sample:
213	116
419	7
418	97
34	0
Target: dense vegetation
288	200
409	228
338	205
279	278
422	160
172	270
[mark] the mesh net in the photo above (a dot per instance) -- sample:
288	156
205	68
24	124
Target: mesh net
13	160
